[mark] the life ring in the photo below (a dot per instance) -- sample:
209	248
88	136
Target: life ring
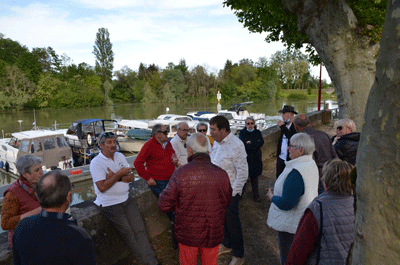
89	139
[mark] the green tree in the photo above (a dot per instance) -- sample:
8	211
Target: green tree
176	83
104	56
149	96
16	89
344	33
243	74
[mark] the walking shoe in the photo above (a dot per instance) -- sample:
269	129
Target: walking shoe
223	249
237	261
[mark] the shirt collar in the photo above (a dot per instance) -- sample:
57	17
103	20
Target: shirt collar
55	215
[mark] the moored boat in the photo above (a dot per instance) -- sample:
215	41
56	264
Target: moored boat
49	145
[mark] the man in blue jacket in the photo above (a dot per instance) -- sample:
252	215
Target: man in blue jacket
52	237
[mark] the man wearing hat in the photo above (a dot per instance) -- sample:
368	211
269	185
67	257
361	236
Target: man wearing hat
287	131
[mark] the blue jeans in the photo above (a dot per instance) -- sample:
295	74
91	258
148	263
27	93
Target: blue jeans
161	185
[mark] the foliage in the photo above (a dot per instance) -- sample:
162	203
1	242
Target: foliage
270	16
370	16
149	96
16	90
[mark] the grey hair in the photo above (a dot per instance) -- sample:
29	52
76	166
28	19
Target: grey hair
201	124
304	141
198	143
53	192
349	123
301	120
26	162
250	118
179	125
156	128
103	138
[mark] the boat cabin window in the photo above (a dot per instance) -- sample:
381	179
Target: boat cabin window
93	127
36	146
228	116
24	146
15	142
49	143
61	142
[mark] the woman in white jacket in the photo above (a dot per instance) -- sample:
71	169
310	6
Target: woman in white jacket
294	190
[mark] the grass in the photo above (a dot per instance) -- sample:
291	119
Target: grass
300	94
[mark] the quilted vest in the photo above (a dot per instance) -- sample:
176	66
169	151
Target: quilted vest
338	228
26	203
287	221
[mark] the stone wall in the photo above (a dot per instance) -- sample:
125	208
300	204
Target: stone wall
108	245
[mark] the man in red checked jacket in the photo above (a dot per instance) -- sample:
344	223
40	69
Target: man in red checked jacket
199	193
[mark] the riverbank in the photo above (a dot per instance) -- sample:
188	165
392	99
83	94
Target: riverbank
260	241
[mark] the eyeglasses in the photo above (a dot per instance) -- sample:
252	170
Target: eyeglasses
164	132
250	123
292	146
339	128
108	134
204	130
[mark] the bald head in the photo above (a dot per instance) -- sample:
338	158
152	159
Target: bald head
52	189
300	122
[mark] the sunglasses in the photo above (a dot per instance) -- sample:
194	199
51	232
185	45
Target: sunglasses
108	134
250	123
339	128
202	130
164	132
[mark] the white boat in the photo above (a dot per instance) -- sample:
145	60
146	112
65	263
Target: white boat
49	145
170	121
125	125
237	115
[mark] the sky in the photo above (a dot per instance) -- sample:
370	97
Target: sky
203	32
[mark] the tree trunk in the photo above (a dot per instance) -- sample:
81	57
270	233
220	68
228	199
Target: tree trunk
349	59
377	229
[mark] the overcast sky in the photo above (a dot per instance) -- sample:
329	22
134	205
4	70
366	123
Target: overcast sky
202	32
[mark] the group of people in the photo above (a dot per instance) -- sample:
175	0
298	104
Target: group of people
199	181
312	199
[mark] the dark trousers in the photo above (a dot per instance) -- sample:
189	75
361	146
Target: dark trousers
285	241
126	218
233	236
254	184
280	166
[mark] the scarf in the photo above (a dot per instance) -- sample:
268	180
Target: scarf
28	187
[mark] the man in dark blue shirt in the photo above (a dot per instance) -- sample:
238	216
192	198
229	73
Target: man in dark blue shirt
52	237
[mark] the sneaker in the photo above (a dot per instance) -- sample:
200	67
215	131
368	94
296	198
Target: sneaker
237	261
223	249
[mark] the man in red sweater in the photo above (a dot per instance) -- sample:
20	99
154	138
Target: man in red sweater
160	160
155	163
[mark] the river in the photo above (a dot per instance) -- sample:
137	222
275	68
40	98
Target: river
142	111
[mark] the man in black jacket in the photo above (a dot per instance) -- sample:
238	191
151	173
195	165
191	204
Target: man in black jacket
287	131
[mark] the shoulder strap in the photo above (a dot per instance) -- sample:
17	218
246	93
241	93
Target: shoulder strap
319	232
